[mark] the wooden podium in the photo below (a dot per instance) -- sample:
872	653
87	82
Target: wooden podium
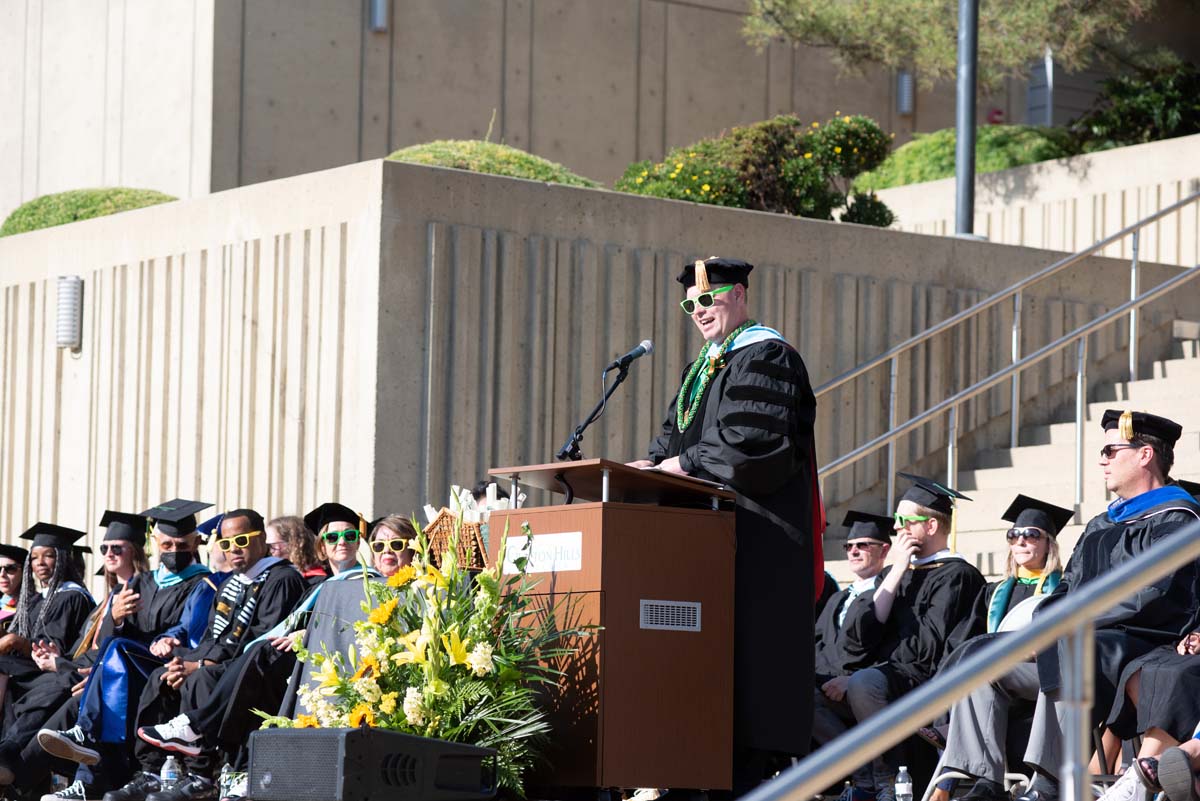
649	557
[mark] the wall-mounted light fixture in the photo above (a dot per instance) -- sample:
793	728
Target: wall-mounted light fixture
377	15
905	93
68	324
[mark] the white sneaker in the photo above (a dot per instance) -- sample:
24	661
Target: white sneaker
75	791
1126	788
174	735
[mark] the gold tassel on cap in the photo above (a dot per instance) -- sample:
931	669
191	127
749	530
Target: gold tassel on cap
702	277
1125	425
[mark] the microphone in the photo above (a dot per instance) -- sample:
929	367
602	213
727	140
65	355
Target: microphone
644	347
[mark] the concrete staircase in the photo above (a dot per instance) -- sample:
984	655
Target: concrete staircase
1044	465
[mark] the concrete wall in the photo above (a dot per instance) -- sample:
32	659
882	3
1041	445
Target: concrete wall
376	332
105	94
228	354
1071	204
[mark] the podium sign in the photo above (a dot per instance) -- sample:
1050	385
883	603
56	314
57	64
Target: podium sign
648	701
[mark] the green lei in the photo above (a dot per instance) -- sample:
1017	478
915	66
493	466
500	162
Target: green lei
705	367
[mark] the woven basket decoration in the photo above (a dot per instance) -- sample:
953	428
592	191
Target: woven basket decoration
470	541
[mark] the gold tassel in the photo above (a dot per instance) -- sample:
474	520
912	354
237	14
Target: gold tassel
702	277
1125	425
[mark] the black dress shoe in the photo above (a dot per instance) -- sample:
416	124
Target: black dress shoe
189	788
141	785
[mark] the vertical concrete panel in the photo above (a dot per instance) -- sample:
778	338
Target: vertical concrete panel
13	79
72	91
515	58
652	73
585	69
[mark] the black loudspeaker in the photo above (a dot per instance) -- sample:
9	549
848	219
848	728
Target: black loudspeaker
364	765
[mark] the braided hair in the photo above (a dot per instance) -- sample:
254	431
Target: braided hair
66	568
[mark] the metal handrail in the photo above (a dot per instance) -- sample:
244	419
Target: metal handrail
1015	291
1070	619
951	403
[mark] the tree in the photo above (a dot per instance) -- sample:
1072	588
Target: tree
921	35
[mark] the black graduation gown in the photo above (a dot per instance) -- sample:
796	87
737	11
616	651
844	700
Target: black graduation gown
836	653
159	608
829	589
926	623
63	623
754	432
1158	614
280	588
1169	696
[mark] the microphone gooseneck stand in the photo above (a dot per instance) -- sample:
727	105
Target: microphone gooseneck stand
570	452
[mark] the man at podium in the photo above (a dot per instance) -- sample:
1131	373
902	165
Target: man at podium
744	416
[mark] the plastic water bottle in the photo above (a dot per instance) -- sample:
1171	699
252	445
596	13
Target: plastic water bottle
168	777
903	785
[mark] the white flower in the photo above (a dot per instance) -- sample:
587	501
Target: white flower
414	709
480	659
368	689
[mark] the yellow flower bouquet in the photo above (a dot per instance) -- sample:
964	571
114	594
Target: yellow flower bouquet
448	654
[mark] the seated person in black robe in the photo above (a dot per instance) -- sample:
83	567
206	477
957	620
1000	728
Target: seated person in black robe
1136	461
289	538
1032	572
12	563
258	678
262	591
920	603
152	603
744	417
53	615
868	542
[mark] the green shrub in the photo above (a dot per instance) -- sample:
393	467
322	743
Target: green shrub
1146	107
491	158
997	147
78	204
779	165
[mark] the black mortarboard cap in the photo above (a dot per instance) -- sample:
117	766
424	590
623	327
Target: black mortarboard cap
930	494
1133	423
14	552
720	271
875	527
1190	487
328	512
1026	511
48	535
124	526
176	518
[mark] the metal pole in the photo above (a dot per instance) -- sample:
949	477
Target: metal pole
952	449
1077	690
893	379
1015	402
1134	289
1080	413
964	146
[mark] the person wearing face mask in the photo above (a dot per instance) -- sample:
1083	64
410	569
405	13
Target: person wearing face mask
12	562
142	604
258	678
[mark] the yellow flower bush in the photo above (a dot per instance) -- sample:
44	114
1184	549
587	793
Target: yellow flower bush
445	654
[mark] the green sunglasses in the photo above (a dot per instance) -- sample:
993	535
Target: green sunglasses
349	535
704	300
904	520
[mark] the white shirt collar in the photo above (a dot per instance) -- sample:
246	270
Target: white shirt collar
945	553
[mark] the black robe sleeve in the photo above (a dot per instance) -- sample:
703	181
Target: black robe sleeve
159	609
65	619
767	404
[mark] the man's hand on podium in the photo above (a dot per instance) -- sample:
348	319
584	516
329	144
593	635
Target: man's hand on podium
640	464
671	466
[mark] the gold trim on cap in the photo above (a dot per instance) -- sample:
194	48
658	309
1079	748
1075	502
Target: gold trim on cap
702	276
1125	425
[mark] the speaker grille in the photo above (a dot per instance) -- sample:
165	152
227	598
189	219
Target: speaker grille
670	615
398	770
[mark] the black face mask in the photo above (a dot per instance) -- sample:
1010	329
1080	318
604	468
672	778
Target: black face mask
176	560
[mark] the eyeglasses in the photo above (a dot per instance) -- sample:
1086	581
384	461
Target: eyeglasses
350	535
279	548
10	570
395	546
1028	532
861	546
906	520
1109	451
704	300
115	550
227	544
